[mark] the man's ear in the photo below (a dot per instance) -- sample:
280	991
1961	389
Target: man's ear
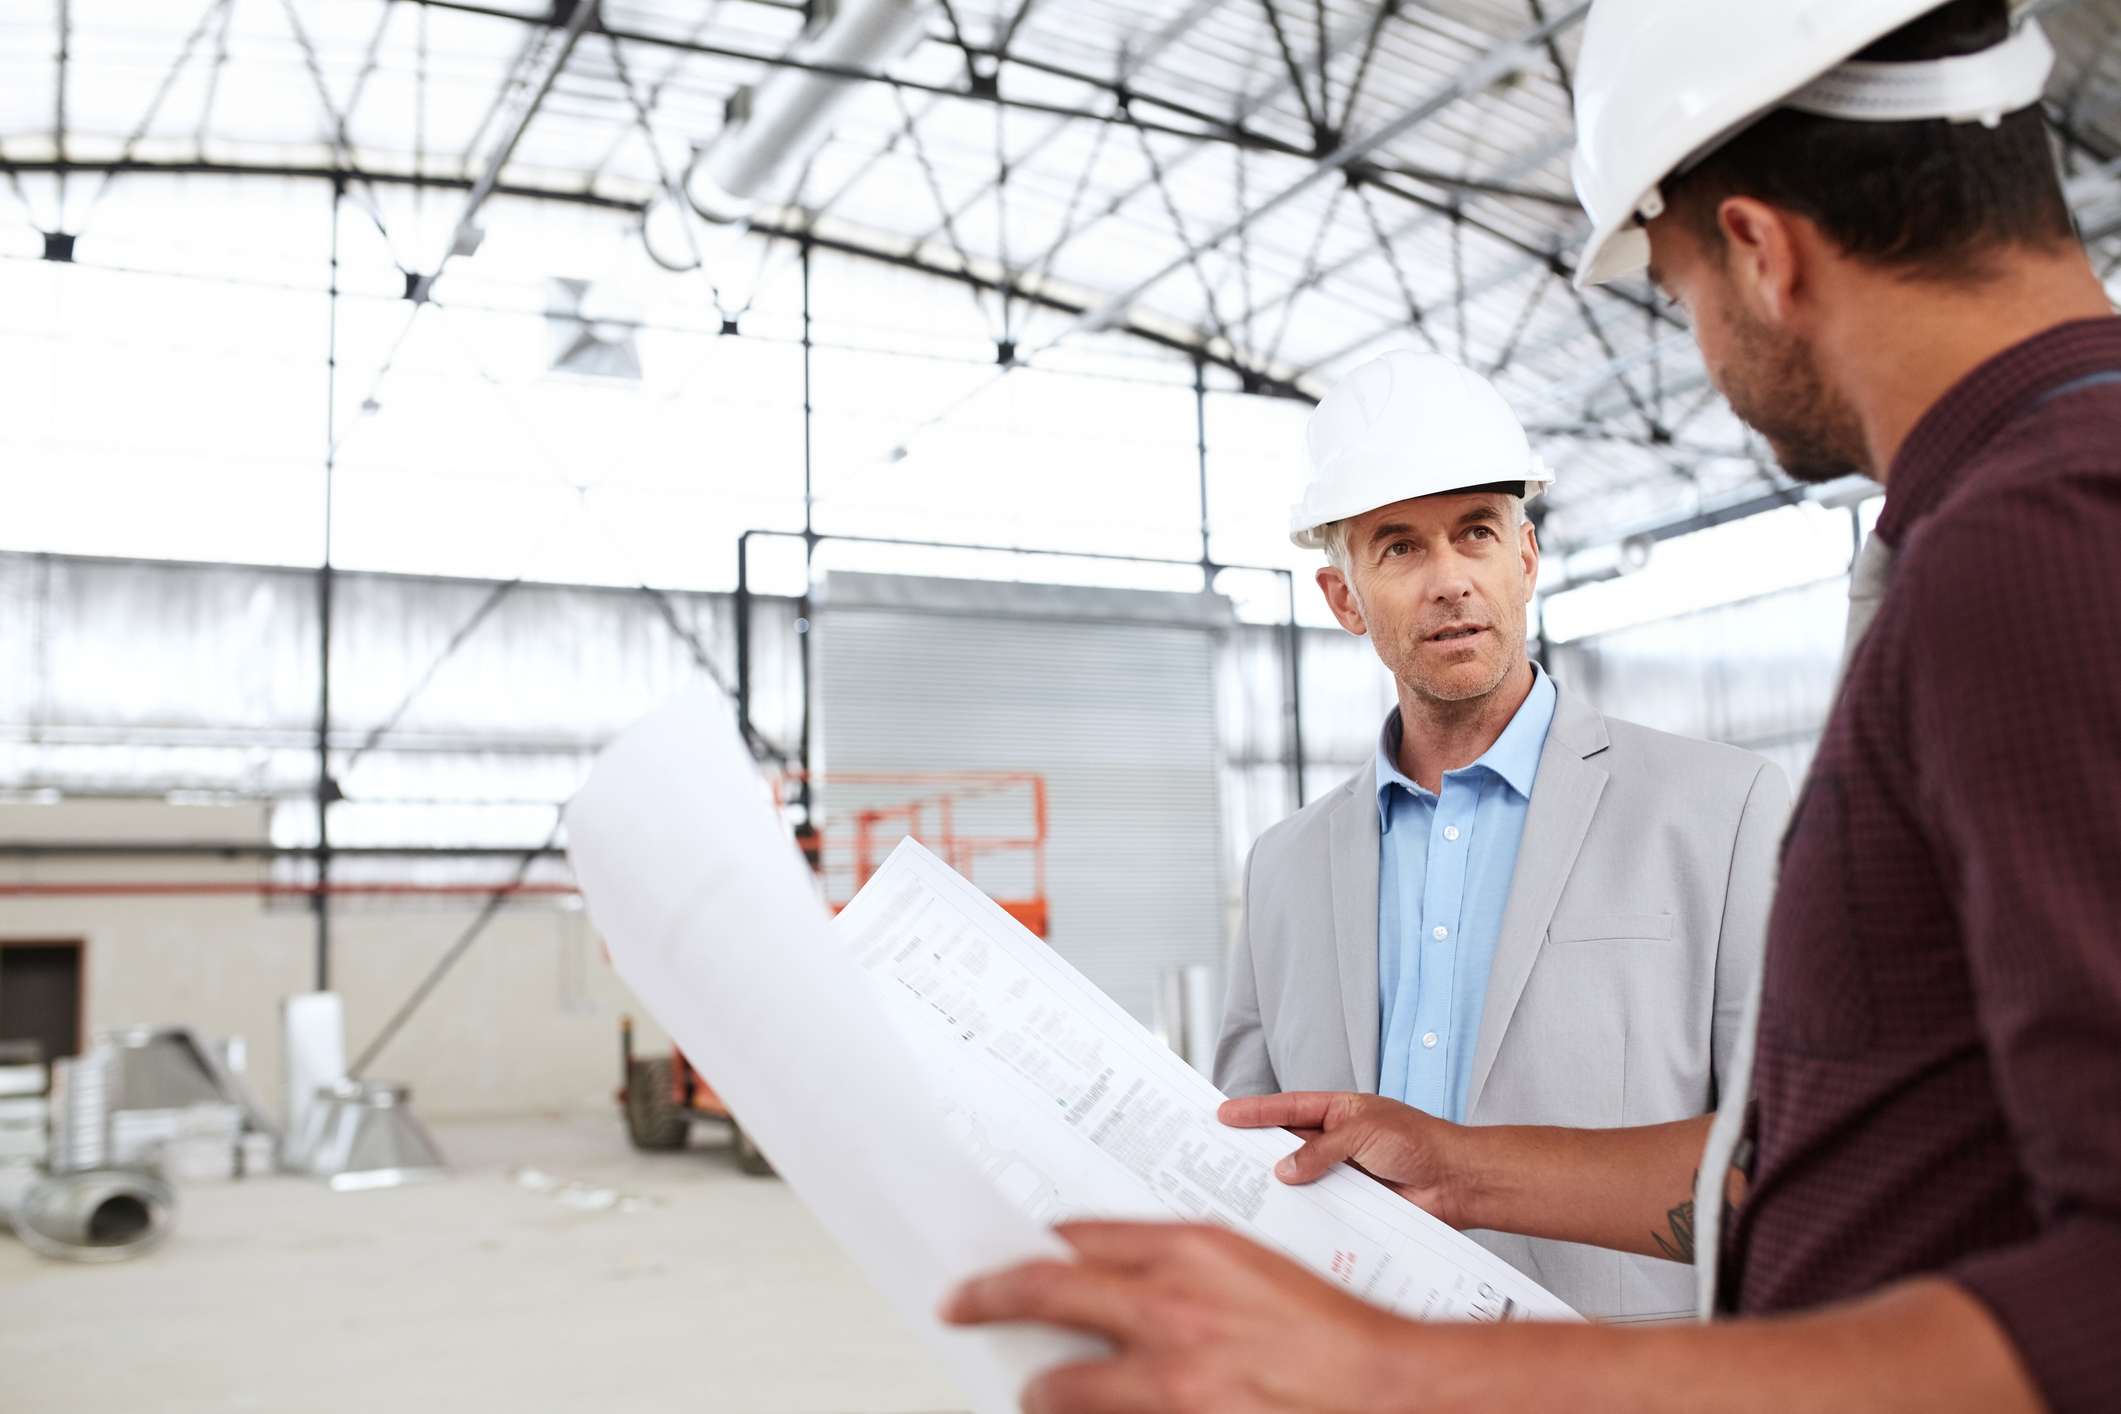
1340	598
1764	257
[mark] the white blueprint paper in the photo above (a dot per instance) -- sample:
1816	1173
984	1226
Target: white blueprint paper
713	920
1072	1109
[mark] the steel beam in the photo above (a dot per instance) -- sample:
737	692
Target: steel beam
1679	343
1257	380
1511	270
465	238
1336	45
1133	61
1527	161
1254	380
334	173
1212	128
1846	491
1501	59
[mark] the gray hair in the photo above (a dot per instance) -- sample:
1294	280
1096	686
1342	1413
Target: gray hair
1335	536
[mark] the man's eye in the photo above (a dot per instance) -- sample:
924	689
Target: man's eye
1397	547
1484	532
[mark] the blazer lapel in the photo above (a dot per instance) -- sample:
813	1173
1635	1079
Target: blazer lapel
1564	798
1352	839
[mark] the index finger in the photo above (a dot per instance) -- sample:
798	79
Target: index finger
1133	1248
1050	1293
1299	1109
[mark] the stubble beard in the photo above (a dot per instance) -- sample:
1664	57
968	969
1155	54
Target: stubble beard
1772	382
1451	696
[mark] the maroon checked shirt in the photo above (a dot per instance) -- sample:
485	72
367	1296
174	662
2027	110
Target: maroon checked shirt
1938	1074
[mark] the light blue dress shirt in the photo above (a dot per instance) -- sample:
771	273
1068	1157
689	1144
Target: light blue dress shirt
1443	878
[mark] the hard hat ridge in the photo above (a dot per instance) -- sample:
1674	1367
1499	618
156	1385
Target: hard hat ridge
1406	425
1963	88
1662	84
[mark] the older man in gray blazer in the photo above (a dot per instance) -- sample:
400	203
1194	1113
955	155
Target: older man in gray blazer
1524	912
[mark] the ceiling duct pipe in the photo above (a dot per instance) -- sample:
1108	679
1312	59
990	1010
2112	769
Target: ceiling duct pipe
780	121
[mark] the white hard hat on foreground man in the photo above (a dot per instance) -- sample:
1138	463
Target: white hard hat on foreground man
1660	84
1878	280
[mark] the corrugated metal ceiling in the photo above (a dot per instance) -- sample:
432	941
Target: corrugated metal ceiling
1283	186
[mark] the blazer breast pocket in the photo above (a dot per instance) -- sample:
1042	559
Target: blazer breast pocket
1610	996
1611	928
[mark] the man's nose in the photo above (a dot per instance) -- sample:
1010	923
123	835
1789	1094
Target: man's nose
1448	580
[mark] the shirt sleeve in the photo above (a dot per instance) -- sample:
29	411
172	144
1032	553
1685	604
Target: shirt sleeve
2014	715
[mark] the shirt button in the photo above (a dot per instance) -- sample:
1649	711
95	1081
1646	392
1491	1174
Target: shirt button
1429	1040
1441	933
1450	832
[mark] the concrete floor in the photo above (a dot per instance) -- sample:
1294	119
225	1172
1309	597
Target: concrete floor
690	1288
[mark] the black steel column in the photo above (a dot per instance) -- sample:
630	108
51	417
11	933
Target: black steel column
810	538
327	788
1200	430
743	638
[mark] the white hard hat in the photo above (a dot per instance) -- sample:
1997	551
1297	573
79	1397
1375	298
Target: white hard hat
1662	83
1405	425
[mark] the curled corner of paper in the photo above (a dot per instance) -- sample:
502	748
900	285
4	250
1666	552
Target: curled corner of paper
712	918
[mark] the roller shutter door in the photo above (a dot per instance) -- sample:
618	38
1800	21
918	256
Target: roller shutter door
1109	694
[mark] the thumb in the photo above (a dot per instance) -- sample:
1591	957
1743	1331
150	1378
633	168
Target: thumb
1315	1159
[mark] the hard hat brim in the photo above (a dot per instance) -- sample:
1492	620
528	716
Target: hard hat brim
1615	249
1307	524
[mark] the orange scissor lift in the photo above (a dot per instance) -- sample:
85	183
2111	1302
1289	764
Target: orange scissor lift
990	826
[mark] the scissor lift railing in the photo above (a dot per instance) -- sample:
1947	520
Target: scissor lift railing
865	814
862	815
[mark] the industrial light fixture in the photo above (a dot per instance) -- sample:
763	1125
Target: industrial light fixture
582	342
779	122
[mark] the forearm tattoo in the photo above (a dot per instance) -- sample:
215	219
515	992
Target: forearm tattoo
1681	1222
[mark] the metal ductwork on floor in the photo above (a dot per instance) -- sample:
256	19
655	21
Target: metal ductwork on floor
96	1215
365	1135
86	1208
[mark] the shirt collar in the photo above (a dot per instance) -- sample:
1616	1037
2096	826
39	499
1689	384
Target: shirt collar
1979	406
1514	757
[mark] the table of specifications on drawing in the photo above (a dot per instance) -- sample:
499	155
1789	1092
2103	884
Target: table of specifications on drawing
1073	1110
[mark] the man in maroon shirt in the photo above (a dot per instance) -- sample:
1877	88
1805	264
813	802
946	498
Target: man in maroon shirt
1928	1195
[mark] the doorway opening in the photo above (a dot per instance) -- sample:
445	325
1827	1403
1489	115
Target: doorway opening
40	995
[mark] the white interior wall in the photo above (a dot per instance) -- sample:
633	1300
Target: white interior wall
528	1022
144	677
1759	673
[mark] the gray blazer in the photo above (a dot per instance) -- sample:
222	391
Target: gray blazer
1630	940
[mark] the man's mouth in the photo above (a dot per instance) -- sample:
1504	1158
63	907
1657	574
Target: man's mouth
1456	632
